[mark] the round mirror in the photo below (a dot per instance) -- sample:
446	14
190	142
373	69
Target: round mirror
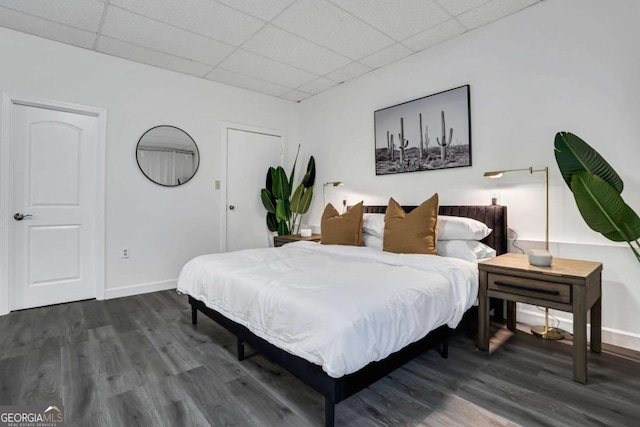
167	155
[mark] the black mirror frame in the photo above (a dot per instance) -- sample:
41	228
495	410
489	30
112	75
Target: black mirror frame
192	140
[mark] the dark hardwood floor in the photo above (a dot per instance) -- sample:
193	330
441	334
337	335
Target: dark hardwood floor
138	361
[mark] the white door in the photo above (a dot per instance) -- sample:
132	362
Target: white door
249	156
53	185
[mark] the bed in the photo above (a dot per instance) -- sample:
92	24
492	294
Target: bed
322	339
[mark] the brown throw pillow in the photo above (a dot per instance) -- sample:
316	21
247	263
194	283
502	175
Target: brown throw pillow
345	229
412	233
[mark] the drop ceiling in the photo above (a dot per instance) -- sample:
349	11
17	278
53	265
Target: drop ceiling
291	49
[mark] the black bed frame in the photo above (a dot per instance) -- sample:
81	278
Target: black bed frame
336	390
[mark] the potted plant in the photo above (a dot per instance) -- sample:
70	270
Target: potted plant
284	206
596	188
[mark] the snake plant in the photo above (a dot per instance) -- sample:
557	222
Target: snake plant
284	209
596	188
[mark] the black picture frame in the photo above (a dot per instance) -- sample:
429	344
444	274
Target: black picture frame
448	113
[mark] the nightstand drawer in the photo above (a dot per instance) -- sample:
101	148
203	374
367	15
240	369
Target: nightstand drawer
539	289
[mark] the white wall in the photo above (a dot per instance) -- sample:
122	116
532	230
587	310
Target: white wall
560	65
162	227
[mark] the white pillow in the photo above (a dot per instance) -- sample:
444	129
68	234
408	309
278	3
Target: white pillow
449	227
470	250
461	228
373	242
373	224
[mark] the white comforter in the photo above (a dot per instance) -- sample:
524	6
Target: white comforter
340	307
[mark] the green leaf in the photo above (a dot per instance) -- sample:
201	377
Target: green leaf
573	155
268	200
283	229
293	170
305	201
272	222
310	177
281	187
603	209
283	211
295	199
269	180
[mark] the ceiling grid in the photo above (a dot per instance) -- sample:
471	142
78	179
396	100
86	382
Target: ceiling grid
292	49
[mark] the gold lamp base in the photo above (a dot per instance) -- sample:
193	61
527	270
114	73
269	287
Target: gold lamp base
547	333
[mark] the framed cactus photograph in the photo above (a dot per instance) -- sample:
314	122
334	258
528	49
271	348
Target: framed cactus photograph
428	133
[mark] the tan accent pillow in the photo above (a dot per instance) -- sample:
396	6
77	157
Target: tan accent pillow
414	232
345	229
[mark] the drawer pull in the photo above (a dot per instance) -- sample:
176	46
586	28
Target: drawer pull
528	288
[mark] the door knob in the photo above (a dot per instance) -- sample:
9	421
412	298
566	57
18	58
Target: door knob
231	207
20	217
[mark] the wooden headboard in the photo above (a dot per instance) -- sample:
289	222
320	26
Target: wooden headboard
495	216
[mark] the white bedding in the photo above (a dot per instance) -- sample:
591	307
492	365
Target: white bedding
340	307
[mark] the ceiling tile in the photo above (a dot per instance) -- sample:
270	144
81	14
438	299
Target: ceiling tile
332	27
246	82
456	7
295	95
492	11
152	57
348	72
285	47
262	9
83	14
318	85
253	65
386	56
51	30
204	17
397	19
435	35
306	39
141	31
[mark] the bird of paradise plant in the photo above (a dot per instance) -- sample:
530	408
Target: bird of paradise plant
597	189
284	209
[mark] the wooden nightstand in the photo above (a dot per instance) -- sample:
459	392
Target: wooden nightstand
568	285
283	240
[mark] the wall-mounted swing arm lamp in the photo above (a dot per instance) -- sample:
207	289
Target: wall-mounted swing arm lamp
540	331
325	185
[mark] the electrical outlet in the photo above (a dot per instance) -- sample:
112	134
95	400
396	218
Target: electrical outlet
125	252
217	184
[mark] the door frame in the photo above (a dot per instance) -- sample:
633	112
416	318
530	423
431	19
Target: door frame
226	126
10	99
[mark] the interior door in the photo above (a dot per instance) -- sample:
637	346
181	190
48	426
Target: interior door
249	156
53	200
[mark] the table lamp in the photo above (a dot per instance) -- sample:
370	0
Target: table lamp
538	257
324	186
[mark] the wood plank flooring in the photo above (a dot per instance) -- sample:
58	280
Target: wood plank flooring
138	361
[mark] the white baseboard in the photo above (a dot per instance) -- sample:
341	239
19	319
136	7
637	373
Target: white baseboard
612	336
142	288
